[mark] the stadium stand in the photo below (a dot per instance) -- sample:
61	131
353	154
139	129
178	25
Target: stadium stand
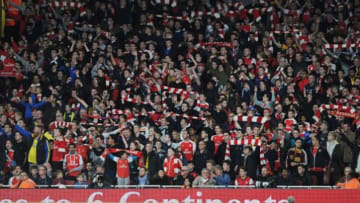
180	93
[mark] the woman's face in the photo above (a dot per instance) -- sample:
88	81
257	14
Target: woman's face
161	173
132	146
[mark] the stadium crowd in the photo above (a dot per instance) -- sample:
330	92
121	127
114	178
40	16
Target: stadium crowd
180	92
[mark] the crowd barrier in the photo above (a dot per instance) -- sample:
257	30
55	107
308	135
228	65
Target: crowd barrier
177	195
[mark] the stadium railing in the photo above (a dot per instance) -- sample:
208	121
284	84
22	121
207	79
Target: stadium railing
178	186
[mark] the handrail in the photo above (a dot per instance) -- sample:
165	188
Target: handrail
306	187
179	186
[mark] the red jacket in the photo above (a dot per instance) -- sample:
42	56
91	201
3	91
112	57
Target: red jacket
172	166
246	181
73	161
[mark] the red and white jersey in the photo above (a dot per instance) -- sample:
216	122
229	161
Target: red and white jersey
249	61
15	180
172	166
289	124
188	148
217	139
122	165
9	159
73	161
246	181
59	151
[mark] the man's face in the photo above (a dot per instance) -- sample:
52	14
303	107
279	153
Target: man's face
205	173
37	131
301	170
42	170
23	176
284	173
202	145
242	173
148	148
72	149
89	166
298	144
264	171
347	171
184	171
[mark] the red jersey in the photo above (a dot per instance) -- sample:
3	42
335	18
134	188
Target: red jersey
289	123
188	148
246	181
249	61
59	151
9	160
172	166
73	161
83	150
217	139
122	169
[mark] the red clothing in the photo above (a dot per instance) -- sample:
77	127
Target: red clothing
156	117
8	64
83	150
289	123
172	166
73	161
302	83
59	151
246	181
217	139
15	180
188	148
314	151
248	61
9	160
123	169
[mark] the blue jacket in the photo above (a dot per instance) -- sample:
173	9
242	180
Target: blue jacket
39	152
223	180
29	108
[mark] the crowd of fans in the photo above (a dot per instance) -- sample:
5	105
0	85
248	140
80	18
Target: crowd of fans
181	92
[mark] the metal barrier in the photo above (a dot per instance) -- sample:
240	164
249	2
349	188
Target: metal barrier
306	187
179	186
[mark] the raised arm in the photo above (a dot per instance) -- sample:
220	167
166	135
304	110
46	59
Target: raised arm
113	158
38	105
81	101
23	132
256	101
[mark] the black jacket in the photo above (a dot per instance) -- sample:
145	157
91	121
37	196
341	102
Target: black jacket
154	163
20	150
265	182
200	160
156	180
303	180
250	163
43	181
285	181
321	159
179	180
